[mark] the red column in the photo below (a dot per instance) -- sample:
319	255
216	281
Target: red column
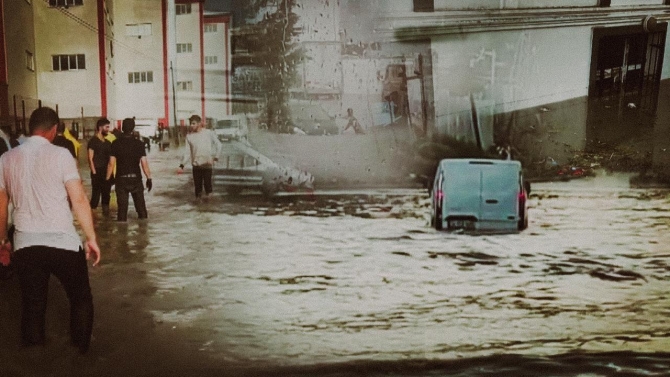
228	74
101	57
202	57
166	90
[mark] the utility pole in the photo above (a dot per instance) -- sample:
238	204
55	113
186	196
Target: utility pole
170	41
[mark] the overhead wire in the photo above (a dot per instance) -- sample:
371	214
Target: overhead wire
66	12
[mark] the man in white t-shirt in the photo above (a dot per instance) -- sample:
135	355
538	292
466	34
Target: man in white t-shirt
5	144
202	149
41	180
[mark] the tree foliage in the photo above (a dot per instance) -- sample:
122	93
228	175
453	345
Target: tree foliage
273	49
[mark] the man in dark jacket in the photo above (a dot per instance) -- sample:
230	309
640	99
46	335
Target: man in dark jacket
128	155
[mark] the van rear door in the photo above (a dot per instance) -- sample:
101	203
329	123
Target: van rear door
500	191
462	183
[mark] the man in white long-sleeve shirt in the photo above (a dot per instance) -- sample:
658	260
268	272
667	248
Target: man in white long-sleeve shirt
202	150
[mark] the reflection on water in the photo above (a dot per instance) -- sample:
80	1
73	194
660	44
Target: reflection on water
303	280
123	241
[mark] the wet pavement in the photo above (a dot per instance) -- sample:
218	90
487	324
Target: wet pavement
355	282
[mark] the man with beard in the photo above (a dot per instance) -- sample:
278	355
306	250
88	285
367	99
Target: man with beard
99	150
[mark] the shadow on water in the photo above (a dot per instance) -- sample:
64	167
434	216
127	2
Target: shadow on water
569	364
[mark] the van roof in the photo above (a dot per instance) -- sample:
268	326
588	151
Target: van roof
478	161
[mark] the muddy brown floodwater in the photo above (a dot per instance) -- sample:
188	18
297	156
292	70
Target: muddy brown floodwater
357	283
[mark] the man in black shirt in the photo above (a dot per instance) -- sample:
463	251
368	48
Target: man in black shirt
99	149
62	141
128	155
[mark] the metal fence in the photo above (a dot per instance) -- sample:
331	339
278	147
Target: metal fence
21	108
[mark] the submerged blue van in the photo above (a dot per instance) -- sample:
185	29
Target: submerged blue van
479	194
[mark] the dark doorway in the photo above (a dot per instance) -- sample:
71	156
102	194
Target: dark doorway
626	66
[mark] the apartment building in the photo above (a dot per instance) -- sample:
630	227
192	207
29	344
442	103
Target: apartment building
112	58
217	65
139	51
189	78
18	78
73	55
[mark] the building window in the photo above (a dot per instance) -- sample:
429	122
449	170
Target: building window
210	28
211	59
183	8
138	30
65	3
424	5
30	61
140	77
184	47
68	62
184	85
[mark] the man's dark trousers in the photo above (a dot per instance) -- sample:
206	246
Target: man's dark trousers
130	185
100	187
202	175
34	265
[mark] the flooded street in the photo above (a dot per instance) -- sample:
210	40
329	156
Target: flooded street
356	282
341	277
341	115
320	285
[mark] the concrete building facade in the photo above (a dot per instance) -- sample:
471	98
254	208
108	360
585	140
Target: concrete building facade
140	85
189	59
551	78
73	57
320	37
18	78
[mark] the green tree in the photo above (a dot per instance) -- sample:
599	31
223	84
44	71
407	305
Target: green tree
273	49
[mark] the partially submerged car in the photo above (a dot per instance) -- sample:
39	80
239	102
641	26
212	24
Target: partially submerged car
479	194
241	167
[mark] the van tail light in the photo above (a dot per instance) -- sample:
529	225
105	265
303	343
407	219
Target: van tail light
440	195
522	195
